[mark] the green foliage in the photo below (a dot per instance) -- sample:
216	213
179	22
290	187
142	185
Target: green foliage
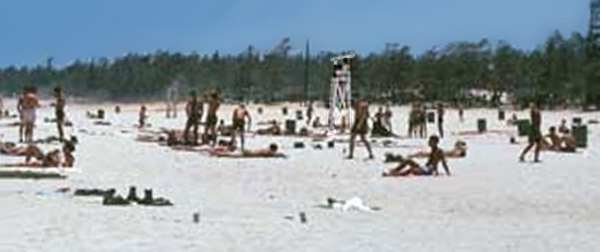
561	70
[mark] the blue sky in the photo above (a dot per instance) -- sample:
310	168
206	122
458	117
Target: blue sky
69	29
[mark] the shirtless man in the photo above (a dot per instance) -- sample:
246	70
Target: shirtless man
239	123
271	152
29	106
59	112
194	112
563	129
555	140
309	112
273	130
459	151
360	127
20	111
387	118
440	119
535	136
210	129
142	117
568	142
51	159
410	167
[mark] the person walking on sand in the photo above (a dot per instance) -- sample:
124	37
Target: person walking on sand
194	112
29	107
461	113
440	119
239	123
360	127
210	129
387	118
59	112
309	112
535	134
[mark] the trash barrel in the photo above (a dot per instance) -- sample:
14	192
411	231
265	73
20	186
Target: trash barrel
431	117
523	127
290	127
100	113
284	111
260	110
501	115
580	133
481	125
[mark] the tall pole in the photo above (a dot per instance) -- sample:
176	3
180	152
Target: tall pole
306	66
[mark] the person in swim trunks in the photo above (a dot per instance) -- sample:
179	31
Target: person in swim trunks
194	112
535	135
210	129
360	128
239	123
59	112
410	167
29	105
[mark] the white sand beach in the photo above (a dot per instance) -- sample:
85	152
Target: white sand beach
490	203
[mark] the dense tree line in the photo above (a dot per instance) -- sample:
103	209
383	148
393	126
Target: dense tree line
562	70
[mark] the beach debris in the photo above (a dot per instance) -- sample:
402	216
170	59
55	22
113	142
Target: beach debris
149	200
391	158
299	145
303	217
354	203
94	192
318	147
330	144
196	217
113	199
132	195
30	175
593	121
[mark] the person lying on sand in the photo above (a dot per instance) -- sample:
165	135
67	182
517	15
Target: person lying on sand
270	152
50	159
11	149
410	167
459	151
273	130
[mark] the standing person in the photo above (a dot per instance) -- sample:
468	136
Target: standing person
194	112
1	106
172	96
30	105
210	129
59	112
309	112
20	111
422	120
460	113
535	134
142	117
387	118
360	127
440	119
239	123
412	121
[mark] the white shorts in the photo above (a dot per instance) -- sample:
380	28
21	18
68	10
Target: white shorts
28	116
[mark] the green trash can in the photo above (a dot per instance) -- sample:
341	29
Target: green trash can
580	133
481	125
523	127
431	117
501	115
290	127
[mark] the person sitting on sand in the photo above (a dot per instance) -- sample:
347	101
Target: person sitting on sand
459	151
273	130
50	159
410	167
224	130
270	152
317	123
568	142
555	140
563	129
